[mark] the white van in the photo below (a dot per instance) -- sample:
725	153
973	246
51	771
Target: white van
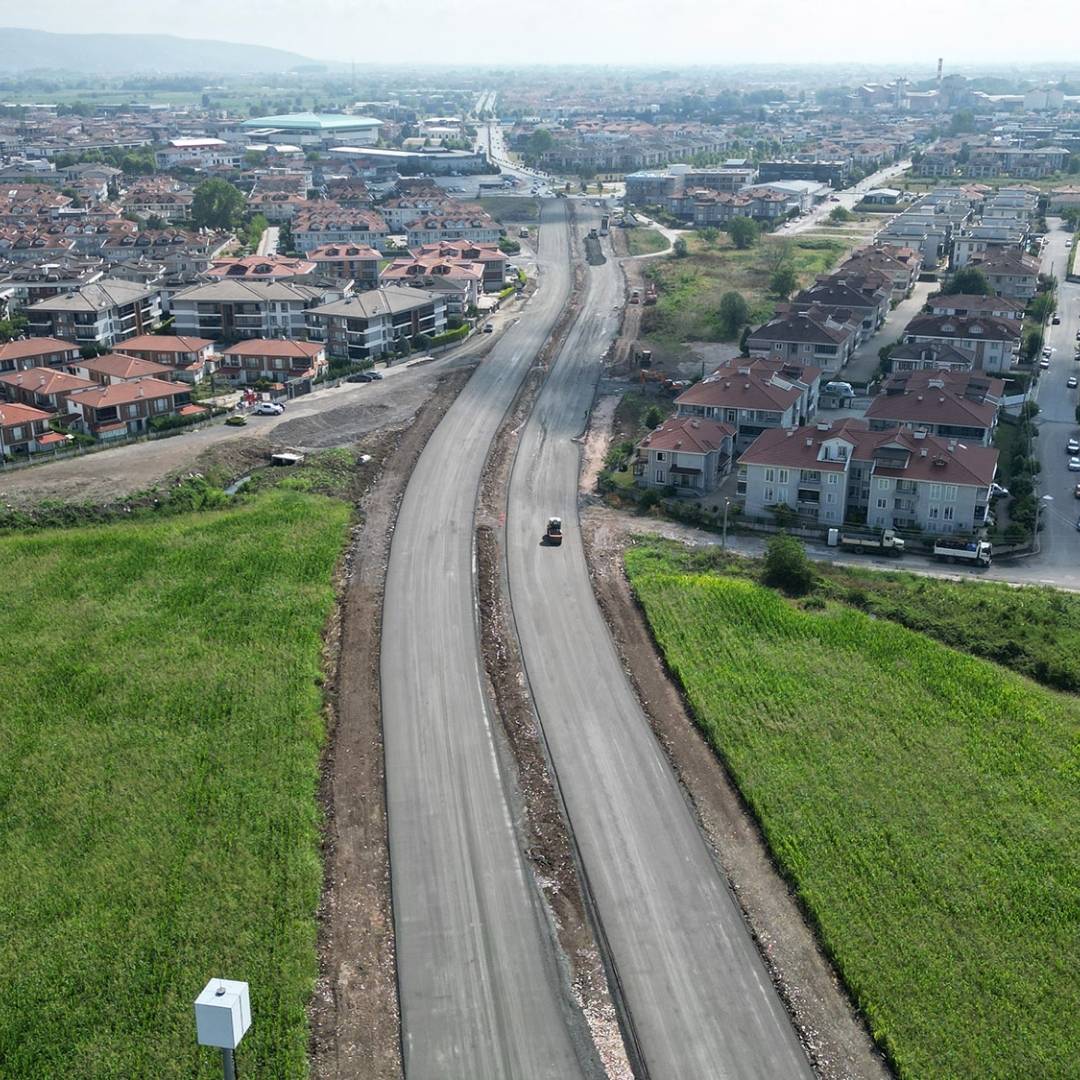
839	389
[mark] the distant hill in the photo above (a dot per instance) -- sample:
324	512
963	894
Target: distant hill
130	54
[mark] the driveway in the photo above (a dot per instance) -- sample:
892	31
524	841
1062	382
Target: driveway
864	361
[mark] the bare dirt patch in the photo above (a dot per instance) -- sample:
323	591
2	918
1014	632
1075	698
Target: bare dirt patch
835	1036
354	1011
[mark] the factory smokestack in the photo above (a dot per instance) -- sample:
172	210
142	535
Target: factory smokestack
939	63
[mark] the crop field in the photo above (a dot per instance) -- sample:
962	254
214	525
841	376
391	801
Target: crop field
924	803
690	288
160	732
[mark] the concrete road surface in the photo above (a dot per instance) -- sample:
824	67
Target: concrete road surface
482	996
701	1004
268	242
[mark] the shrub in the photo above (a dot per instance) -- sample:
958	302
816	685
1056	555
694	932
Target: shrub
649	499
787	566
654	417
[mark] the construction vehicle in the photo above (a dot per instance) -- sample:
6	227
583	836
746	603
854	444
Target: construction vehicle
553	536
650	294
593	235
635	296
604	225
886	542
978	552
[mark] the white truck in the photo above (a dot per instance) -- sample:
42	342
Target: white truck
977	552
886	541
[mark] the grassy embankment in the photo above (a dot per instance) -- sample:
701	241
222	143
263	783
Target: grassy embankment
924	804
160	733
511	208
690	288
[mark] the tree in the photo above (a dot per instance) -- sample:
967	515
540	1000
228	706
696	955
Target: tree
787	567
680	248
11	328
654	417
963	120
840	214
783	282
1042	307
539	143
1033	343
970	281
744	341
733	313
710	234
217	204
744	232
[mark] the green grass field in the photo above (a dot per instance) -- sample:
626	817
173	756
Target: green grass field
160	732
923	802
690	288
645	241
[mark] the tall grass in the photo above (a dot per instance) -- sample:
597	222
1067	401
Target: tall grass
925	804
160	729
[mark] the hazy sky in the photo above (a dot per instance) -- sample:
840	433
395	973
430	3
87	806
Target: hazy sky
595	31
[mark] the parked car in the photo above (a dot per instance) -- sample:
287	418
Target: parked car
1048	351
1071	383
1044	363
268	408
1074	464
1056	320
488	328
996	491
1076	491
236	420
1072	446
359	376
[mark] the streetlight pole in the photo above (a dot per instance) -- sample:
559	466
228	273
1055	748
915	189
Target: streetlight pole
723	536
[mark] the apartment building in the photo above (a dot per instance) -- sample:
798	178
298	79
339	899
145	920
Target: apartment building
994	343
123	409
474	226
274	360
961	405
1010	273
35	352
370	325
357	263
752	395
832	473
41	387
690	454
191	358
326	223
101	314
117	368
809	337
232	310
25	430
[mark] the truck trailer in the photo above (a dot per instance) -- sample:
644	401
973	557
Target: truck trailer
977	552
886	541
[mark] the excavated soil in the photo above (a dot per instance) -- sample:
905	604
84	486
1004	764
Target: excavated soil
354	1011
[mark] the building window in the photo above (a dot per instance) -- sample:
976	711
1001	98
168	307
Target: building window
781	494
769	496
947	513
883	504
832	478
770	475
933	512
883	484
660	455
830	497
782	478
659	476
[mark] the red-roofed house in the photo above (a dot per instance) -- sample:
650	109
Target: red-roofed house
119	367
348	262
120	409
277	360
190	357
25	430
44	388
686	453
752	395
832	473
36	352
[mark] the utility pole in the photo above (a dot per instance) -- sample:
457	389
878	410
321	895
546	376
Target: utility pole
723	536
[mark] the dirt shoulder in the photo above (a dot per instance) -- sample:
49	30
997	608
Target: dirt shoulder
834	1035
354	1012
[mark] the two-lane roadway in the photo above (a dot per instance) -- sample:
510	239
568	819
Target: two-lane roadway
483	996
699	999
